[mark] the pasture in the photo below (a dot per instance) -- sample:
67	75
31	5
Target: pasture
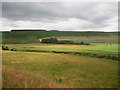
50	70
102	50
91	39
39	65
93	46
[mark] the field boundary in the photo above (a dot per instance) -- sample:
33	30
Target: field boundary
90	54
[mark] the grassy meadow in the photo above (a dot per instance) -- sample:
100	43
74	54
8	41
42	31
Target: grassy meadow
100	50
39	65
49	70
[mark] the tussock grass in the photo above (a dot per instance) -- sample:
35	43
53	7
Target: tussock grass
13	78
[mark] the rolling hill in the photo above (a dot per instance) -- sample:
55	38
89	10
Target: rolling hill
33	36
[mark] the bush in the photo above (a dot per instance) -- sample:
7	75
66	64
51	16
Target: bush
55	41
64	42
13	49
82	43
86	44
49	40
5	48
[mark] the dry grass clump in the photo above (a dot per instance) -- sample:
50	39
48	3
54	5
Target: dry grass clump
13	78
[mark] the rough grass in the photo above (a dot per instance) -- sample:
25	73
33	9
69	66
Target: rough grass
49	70
91	39
93	46
34	36
14	78
99	50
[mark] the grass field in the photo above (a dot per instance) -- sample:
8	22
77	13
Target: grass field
38	65
102	50
34	36
91	39
49	70
99	43
93	46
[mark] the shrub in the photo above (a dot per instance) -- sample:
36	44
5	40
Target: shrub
60	80
65	42
87	44
82	43
13	49
5	48
49	40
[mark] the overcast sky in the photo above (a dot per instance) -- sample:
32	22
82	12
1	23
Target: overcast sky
75	16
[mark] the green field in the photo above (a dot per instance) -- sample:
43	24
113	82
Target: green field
18	37
101	50
39	65
49	70
40	46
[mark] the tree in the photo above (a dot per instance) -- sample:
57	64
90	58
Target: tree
49	40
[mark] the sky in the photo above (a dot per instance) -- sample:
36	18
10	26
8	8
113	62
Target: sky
63	16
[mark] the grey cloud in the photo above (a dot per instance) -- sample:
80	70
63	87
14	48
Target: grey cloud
33	11
53	12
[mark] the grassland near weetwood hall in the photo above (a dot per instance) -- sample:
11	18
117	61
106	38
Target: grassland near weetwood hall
32	64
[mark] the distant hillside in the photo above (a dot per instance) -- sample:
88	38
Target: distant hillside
33	36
